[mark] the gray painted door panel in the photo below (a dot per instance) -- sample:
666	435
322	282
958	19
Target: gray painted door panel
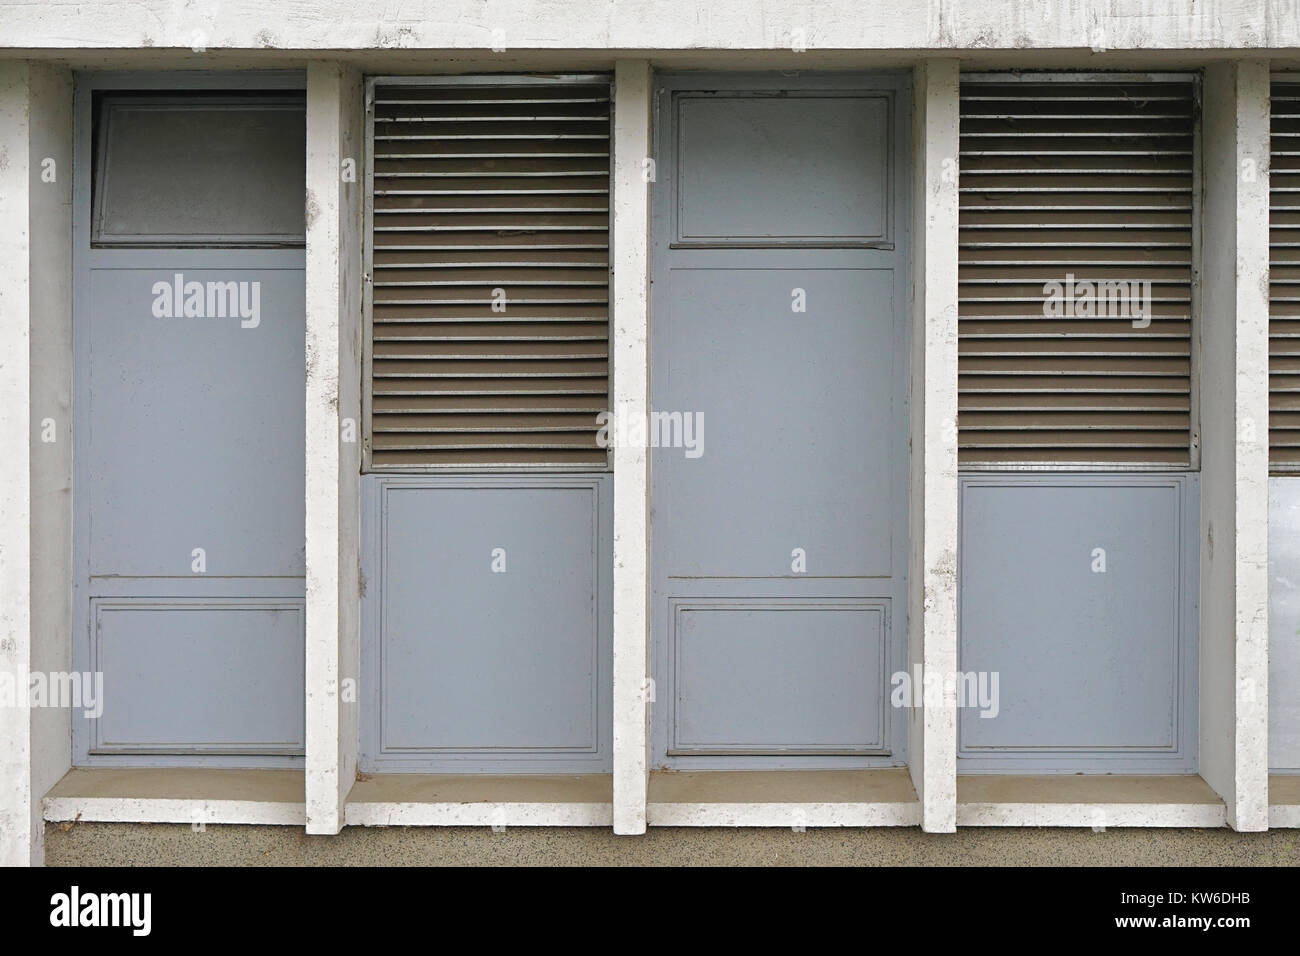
810	680
1284	624
487	624
1078	592
807	168
191	437
195	429
199	676
190	473
798	413
779	542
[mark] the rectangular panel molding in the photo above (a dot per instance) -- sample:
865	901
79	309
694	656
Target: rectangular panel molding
765	676
153	149
1284	624
487	624
820	160
198	676
1078	598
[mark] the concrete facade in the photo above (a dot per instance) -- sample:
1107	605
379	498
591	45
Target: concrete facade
933	599
631	244
1236	42
334	135
1234	445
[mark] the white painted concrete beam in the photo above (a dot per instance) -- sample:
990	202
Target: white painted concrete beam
334	137
932	576
19	831
35	474
1233	332
630	249
647	25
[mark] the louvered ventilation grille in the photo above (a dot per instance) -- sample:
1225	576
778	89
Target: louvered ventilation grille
1284	280
1092	180
490	269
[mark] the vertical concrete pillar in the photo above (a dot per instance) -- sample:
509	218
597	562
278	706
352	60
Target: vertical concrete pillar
36	433
932	572
19	836
1233	363
630	302
335	130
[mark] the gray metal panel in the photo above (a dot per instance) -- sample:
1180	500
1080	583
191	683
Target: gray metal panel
1284	624
487	624
193	430
1095	668
189	434
804	421
799	420
199	676
796	676
804	168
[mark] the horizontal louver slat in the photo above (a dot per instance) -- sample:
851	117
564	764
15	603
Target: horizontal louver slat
1075	233
1284	280
489	284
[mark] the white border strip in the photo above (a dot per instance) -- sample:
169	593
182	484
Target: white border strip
479	814
192	811
794	815
1286	815
1095	815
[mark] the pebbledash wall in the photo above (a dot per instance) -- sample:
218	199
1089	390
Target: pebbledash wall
1167	695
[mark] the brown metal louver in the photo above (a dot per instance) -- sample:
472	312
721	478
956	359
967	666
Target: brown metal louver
1086	183
1284	280
489	268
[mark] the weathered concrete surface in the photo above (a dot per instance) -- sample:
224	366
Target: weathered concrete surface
1234	362
932	585
333	411
36	468
84	844
631	325
650	24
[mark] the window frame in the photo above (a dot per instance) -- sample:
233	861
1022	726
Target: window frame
224	100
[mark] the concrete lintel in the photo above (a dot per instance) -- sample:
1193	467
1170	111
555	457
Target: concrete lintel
640	25
333	417
932	601
630	247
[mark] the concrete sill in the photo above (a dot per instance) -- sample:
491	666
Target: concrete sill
783	798
1284	800
408	799
177	795
1088	800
